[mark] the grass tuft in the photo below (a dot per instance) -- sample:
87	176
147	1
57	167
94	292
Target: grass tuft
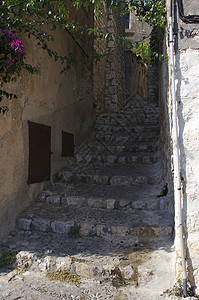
64	276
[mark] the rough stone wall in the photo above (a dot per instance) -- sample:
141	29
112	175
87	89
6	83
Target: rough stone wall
64	102
110	82
136	76
153	87
187	91
115	96
99	68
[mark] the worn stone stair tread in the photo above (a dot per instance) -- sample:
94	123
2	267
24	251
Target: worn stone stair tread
107	154
130	135
120	159
127	116
138	223
116	180
130	174
106	191
129	127
94	257
129	130
127	143
126	170
106	196
131	216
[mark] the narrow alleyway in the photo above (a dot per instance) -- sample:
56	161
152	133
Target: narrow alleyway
106	220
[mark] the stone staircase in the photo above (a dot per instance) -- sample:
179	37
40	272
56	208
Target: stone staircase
102	219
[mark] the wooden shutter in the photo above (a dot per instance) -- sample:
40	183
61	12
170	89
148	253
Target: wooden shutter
39	152
67	144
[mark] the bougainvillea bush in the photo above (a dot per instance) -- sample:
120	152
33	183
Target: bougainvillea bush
12	56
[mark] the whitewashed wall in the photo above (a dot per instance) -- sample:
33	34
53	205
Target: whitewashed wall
187	91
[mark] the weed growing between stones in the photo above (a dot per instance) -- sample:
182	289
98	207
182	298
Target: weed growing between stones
84	297
74	231
177	291
8	259
64	276
21	270
42	291
117	278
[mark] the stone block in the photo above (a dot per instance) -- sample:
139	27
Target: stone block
124	203
74	201
100	179
86	229
68	225
85	270
111	58
141	180
139	204
63	263
54	199
48	264
67	176
25	259
58	227
112	90
24	223
95	202
110	23
128	272
110	203
41	224
101	230
119	229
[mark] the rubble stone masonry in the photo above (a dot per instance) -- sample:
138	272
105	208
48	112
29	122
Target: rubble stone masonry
109	72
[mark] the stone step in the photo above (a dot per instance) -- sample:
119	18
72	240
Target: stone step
117	261
106	196
130	147
130	137
84	221
117	180
120	158
123	118
130	129
125	122
149	111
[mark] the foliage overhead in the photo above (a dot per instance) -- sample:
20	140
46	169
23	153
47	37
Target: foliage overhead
33	17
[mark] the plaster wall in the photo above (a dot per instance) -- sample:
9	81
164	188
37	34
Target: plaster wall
187	91
64	102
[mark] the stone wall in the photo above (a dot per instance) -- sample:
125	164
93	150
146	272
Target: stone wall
109	72
64	102
187	91
115	96
136	76
99	67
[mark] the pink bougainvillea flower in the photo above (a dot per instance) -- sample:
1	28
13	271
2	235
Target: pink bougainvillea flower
17	45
